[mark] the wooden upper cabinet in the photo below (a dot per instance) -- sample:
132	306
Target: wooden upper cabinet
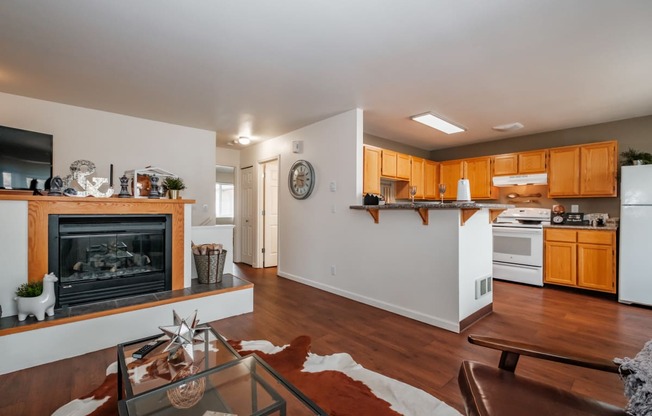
532	162
431	179
371	174
403	166
506	164
599	169
583	171
520	163
395	165
388	167
564	171
417	177
450	172
478	172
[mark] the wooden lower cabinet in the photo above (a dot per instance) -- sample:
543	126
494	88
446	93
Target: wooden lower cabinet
581	258
560	266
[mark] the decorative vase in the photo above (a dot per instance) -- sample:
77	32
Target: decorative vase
40	305
173	193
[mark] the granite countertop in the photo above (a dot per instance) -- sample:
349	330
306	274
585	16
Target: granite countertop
435	205
608	227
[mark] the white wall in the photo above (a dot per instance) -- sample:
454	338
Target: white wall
398	264
126	142
13	252
231	157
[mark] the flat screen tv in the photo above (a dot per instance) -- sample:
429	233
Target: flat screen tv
25	159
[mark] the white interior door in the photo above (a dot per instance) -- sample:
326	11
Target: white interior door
248	212
270	216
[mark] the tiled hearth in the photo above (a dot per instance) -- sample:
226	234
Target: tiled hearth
10	324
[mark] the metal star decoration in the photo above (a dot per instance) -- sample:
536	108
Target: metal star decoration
184	334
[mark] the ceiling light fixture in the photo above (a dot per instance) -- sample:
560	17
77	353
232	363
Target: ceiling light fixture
243	140
508	127
435	122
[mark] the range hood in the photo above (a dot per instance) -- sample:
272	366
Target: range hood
512	180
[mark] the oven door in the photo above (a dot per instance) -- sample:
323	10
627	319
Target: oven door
518	245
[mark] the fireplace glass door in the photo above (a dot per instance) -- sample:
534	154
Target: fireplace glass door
107	256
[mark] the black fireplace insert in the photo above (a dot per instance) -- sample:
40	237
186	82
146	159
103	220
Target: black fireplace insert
102	257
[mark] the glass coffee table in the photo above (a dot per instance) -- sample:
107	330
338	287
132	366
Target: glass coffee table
217	382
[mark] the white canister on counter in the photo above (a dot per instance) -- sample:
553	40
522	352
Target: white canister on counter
463	190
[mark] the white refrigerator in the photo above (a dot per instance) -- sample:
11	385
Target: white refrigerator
635	270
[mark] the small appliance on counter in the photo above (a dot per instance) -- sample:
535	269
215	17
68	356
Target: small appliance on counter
463	190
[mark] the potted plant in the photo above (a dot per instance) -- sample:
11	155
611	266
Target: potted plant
174	185
29	290
634	157
36	298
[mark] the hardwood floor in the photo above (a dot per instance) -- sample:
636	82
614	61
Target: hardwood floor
407	350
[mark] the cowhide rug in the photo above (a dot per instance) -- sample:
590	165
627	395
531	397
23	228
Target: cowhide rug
335	382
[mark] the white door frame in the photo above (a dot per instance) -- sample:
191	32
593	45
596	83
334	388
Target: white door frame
258	253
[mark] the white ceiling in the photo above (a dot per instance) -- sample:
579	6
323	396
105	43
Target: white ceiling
264	68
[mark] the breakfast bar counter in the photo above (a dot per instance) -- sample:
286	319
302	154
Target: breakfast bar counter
468	208
438	271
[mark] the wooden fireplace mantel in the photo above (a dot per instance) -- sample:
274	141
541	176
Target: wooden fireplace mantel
39	207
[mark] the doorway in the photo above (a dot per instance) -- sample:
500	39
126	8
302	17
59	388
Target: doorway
270	213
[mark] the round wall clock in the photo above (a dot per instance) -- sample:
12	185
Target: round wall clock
301	179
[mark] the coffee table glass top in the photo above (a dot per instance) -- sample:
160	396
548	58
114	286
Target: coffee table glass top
154	370
247	386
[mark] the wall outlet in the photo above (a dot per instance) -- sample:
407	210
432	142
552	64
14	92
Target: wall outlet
575	208
333	270
333	186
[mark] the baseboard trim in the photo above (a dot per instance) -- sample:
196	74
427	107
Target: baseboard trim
476	316
399	310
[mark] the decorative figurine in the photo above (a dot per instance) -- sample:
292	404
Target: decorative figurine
55	186
154	193
183	334
124	185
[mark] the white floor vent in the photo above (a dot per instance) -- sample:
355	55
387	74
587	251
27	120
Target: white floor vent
483	286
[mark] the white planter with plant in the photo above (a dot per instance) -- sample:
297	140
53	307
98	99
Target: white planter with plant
36	298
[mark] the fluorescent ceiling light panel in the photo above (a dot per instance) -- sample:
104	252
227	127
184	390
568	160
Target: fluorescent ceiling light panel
435	122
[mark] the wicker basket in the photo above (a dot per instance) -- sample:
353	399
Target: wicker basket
210	266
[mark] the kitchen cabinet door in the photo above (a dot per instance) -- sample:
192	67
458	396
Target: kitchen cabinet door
431	179
416	176
599	168
403	166
560	263
371	173
478	172
564	172
532	162
388	167
596	267
506	164
450	172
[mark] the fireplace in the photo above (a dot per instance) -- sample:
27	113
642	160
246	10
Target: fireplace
103	257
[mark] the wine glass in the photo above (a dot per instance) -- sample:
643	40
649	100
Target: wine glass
413	192
442	191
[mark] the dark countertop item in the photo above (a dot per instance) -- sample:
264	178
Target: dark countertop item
434	205
608	227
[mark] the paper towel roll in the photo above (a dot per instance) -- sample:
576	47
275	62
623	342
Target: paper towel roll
463	190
